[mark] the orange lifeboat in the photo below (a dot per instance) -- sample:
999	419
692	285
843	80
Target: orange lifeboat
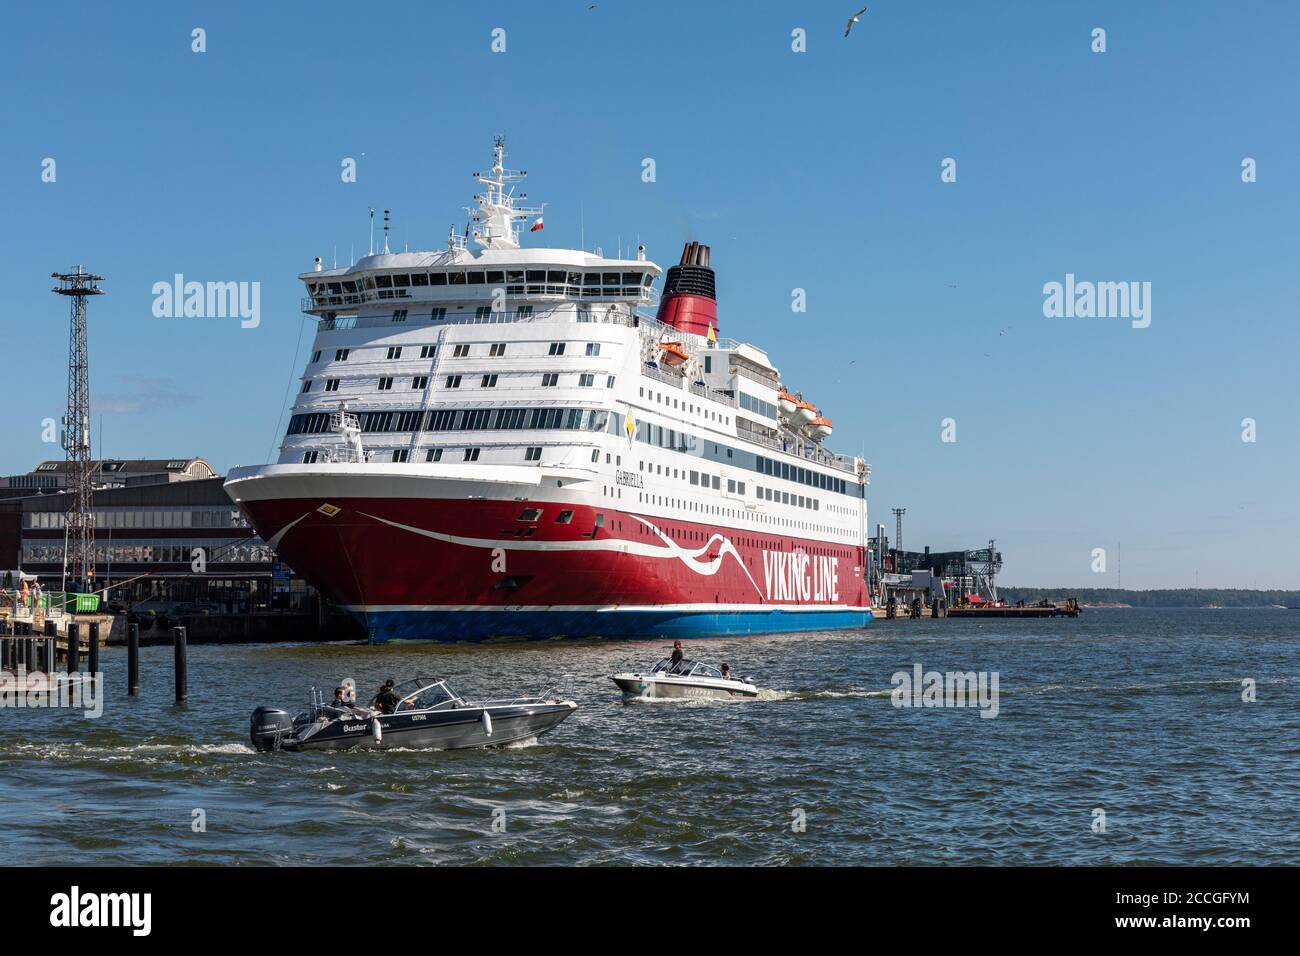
821	427
787	403
674	353
805	412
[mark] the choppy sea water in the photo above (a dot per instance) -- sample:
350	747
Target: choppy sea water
1138	713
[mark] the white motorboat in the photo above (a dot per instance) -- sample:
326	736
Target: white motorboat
685	680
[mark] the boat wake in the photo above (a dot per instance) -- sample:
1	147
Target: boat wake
858	693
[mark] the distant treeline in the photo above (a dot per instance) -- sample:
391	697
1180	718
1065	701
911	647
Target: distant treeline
1173	597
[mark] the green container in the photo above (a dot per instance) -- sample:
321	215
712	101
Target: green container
83	603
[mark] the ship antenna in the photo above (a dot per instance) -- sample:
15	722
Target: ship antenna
372	230
385	232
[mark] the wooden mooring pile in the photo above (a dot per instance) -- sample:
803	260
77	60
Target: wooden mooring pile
26	649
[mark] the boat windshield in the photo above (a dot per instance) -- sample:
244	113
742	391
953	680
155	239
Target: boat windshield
419	694
665	666
705	670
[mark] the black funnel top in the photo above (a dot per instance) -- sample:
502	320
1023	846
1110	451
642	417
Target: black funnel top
691	276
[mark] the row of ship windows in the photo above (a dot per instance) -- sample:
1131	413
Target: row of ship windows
734	487
463	350
555	277
420	382
463	419
595	420
402	455
674	440
690	408
718	511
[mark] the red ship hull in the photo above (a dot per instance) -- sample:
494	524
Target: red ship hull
444	569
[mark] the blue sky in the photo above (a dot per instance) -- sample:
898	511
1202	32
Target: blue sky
816	170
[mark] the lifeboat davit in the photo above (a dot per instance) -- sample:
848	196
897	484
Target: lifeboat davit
821	427
787	403
805	412
674	353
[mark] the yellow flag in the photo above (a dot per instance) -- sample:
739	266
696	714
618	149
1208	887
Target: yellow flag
713	336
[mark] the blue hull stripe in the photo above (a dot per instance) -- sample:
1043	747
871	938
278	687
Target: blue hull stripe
384	626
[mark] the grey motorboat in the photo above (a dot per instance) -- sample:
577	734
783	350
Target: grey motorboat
428	714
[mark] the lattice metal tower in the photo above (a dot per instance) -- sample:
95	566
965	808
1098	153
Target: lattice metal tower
79	551
898	527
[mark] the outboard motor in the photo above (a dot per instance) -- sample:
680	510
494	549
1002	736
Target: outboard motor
269	727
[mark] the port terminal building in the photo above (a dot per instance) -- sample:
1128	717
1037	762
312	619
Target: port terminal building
164	528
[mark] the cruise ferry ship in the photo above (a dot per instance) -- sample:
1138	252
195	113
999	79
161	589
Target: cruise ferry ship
498	441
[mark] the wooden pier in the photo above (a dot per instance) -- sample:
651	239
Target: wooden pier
936	609
29	639
1069	609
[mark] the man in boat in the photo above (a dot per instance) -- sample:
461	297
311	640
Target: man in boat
726	672
385	700
676	658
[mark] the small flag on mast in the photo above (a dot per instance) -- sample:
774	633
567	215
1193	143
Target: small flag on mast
537	225
713	336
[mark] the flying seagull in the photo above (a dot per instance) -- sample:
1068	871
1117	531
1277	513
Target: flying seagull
853	19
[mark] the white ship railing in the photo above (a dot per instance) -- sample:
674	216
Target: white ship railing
763	378
668	378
